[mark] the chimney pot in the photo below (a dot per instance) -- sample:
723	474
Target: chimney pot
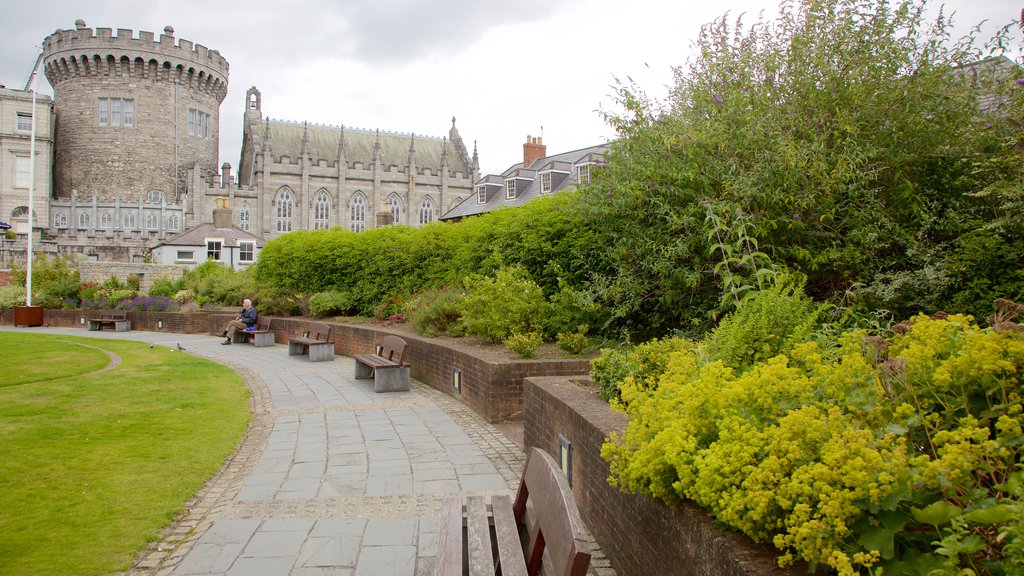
533	150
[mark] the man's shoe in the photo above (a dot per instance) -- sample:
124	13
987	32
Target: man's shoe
224	333
226	343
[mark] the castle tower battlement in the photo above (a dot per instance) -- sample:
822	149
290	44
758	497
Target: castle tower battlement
133	112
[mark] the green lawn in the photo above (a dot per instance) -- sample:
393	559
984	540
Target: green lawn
93	466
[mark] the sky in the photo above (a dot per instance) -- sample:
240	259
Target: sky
505	69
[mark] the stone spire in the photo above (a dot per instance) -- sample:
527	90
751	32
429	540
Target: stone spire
341	144
376	149
476	158
266	137
305	140
412	150
444	153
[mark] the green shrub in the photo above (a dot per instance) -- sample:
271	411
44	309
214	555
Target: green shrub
641	365
524	344
509	303
184	296
11	296
278	302
331	303
437	312
568	309
165	286
765	325
899	455
574	342
189	307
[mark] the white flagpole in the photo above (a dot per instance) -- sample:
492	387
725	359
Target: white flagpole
31	195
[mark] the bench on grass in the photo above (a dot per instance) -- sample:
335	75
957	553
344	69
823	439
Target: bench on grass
260	336
316	342
116	319
480	534
385	366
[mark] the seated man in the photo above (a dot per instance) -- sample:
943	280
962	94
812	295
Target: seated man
245	320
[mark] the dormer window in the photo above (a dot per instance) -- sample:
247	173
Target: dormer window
510	189
545	182
481	194
583	173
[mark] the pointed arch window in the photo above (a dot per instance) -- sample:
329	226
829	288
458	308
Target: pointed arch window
284	205
173	223
60	220
244	217
426	211
396	209
321	211
106	220
83	219
128	221
358	220
152	221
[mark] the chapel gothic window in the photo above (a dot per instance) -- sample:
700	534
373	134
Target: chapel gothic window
106	220
83	219
396	210
60	220
284	205
244	217
128	221
426	211
321	211
358	220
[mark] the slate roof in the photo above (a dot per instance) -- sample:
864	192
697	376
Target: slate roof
197	235
563	176
286	140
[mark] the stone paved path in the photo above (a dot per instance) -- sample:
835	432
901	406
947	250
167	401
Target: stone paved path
331	478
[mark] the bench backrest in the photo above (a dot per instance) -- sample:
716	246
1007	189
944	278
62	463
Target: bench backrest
318	331
557	526
392	348
113	315
263	323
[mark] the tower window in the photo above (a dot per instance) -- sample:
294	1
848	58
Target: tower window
117	112
198	123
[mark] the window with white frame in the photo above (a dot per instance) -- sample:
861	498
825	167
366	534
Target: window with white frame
198	123
246	251
106	220
155	197
185	256
213	248
128	220
357	222
583	173
321	211
173	223
396	210
22	171
244	218
426	211
283	208
481	194
152	221
83	219
24	121
510	188
545	182
60	219
117	112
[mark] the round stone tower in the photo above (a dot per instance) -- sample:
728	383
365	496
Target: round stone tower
133	113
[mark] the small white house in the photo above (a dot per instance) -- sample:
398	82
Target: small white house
231	246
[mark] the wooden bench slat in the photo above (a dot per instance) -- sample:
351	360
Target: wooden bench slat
510	549
450	538
478	533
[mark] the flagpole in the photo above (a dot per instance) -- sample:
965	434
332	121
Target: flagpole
31	191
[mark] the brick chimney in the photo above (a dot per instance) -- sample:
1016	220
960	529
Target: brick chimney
222	214
533	150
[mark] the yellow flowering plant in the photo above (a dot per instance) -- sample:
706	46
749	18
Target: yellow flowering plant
896	456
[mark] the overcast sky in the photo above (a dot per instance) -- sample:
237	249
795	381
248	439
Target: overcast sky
503	68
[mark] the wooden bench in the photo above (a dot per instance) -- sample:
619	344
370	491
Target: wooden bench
487	535
316	342
260	337
117	319
385	366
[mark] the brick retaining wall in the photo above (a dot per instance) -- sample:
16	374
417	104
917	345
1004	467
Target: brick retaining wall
641	535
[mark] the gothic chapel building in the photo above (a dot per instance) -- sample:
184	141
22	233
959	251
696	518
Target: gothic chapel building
301	176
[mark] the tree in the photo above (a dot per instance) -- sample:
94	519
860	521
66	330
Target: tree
843	139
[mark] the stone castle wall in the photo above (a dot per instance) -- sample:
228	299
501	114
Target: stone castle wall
163	78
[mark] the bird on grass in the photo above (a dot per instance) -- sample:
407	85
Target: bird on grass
151	344
178	344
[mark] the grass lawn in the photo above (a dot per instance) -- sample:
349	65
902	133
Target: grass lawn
92	466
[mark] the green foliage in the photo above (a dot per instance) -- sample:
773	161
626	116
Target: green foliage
840	140
280	302
570	308
574	342
11	296
498	307
767	323
900	455
639	366
184	296
437	312
524	344
165	286
53	281
330	303
213	282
